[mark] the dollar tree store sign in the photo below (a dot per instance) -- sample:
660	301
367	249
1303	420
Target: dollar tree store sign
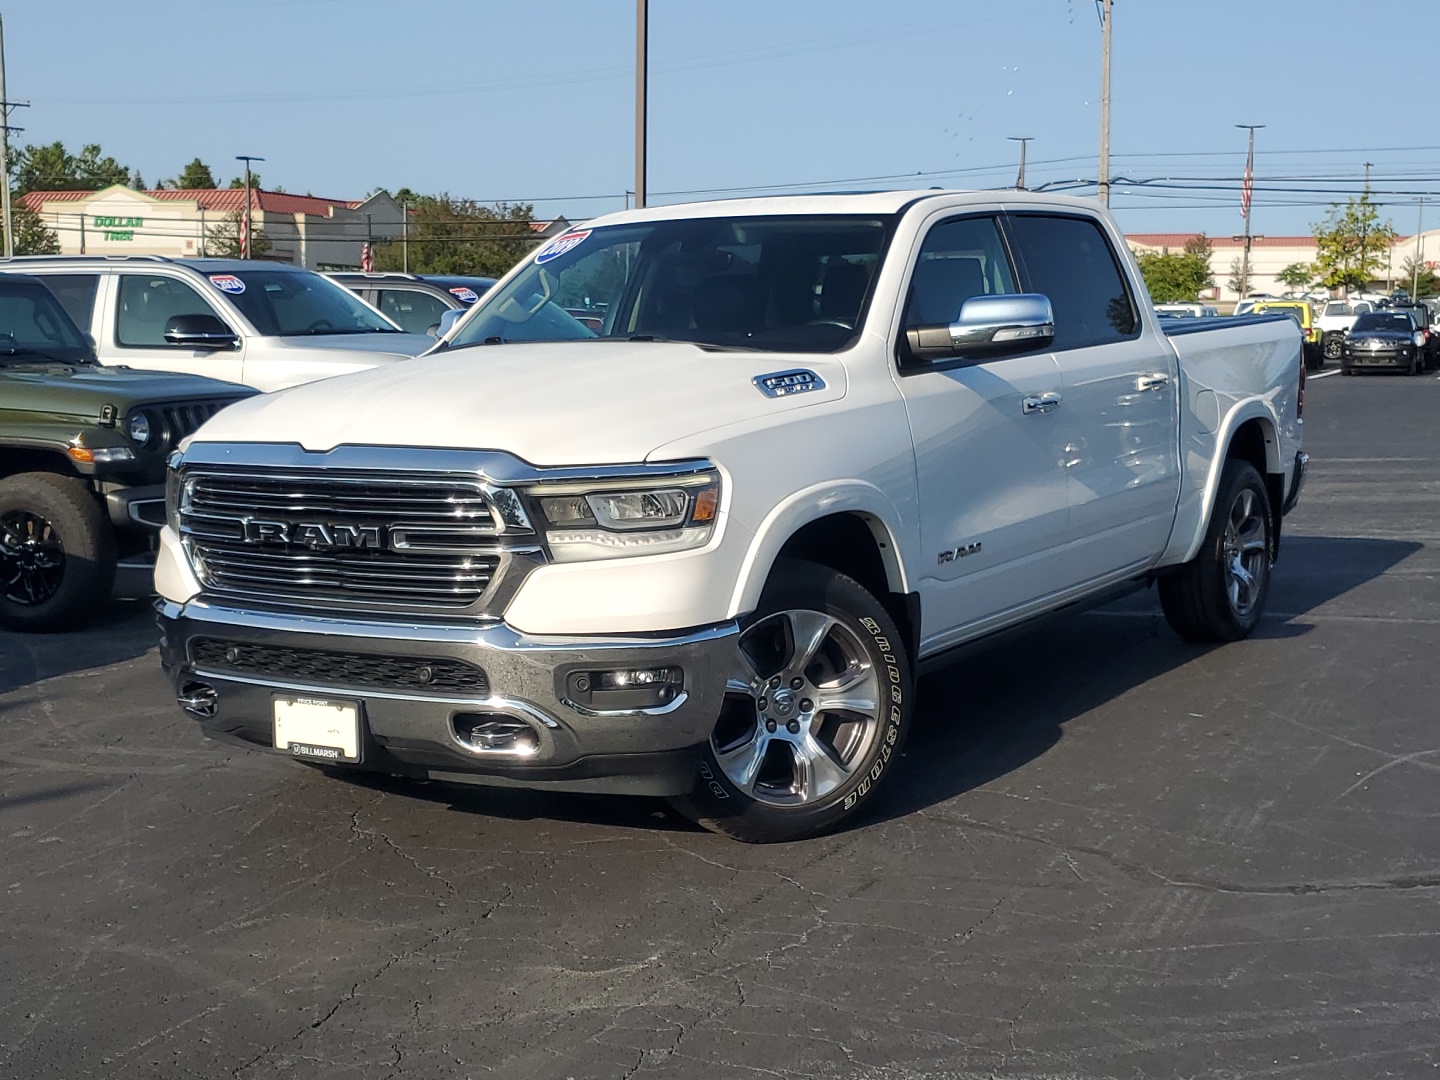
119	228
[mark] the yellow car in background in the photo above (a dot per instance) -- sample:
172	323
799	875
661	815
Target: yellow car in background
1303	312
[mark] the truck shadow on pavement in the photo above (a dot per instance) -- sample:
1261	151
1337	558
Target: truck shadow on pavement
120	631
994	711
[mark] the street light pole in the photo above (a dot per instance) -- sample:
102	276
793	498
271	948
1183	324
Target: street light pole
642	26
1107	13
249	244
1022	140
1415	262
1245	198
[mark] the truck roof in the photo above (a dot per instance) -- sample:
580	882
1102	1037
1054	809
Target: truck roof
874	202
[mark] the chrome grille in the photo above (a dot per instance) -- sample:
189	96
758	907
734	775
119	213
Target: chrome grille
376	542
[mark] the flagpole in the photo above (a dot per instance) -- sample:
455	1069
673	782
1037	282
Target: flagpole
1246	192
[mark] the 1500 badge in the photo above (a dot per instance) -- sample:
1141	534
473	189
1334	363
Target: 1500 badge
959	552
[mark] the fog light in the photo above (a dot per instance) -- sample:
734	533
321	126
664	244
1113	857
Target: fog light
625	689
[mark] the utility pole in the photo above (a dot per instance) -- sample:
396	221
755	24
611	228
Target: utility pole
1106	16
642	63
1247	187
405	237
1415	263
1365	227
5	106
1022	140
249	244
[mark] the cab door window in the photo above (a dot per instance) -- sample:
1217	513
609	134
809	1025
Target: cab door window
147	303
76	293
1069	260
413	311
959	259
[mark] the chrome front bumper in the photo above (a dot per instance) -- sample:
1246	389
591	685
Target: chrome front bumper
565	745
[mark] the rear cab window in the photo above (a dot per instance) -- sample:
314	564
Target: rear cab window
1070	260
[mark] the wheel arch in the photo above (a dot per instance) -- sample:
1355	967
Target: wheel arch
1249	434
24	459
849	529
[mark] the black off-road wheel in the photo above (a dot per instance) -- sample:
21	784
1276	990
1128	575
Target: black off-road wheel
816	711
1333	346
1220	594
57	552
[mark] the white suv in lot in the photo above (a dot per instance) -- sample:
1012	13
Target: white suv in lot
267	325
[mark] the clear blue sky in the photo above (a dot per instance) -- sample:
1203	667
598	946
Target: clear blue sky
532	100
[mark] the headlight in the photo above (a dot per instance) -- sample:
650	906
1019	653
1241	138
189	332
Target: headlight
140	428
172	491
630	517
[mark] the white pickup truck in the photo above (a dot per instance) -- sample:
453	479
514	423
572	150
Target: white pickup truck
815	446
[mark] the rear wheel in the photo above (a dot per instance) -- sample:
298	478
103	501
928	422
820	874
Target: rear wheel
815	713
57	552
1219	595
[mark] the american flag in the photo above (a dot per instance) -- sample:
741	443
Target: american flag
367	258
244	229
1248	187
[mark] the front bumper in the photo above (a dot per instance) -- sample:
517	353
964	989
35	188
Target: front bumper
406	731
1384	358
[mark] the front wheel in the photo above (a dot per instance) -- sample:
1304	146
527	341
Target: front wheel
815	712
1220	594
57	552
1333	346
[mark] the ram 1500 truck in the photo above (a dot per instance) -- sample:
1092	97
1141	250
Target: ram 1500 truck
816	445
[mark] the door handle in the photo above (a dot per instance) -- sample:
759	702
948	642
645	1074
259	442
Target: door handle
1152	382
1040	404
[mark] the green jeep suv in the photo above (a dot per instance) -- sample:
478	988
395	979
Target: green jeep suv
82	462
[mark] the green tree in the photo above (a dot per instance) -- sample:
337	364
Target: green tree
239	181
1422	274
195	175
53	168
223	241
1351	243
1296	275
449	235
1239	282
31	235
1183	275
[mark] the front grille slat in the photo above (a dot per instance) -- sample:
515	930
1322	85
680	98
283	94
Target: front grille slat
429	543
329	668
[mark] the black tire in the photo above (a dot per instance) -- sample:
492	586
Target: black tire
1314	356
57	552
836	758
1333	346
1208	599
1417	364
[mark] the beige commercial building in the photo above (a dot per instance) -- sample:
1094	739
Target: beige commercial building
320	234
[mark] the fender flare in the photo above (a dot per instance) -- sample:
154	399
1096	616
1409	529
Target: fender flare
799	509
1242	413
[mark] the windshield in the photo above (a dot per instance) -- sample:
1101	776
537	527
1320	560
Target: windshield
285	303
1380	321
33	326
794	284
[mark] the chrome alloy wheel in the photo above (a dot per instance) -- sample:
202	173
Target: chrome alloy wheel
1246	553
802	710
32	559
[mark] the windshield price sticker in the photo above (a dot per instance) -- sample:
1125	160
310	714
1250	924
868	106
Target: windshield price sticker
228	283
560	245
469	296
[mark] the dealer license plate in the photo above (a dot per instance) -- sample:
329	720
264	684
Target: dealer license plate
318	729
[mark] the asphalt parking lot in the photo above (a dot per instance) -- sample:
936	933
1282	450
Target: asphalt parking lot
1112	855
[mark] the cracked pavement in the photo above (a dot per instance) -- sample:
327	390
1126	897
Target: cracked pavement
1110	854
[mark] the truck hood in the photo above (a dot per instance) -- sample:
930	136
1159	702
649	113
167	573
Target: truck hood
83	389
399	345
553	403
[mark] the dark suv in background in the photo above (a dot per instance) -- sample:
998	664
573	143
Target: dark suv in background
415	302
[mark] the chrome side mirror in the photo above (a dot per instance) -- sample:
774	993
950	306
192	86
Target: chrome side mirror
989	326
